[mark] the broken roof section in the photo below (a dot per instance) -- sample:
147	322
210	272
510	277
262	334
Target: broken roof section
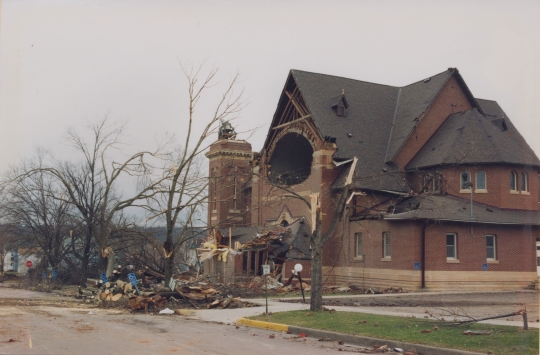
450	208
291	242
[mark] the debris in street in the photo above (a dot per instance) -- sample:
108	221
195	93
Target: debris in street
166	311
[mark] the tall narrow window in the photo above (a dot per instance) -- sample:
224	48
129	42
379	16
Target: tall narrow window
358	240
524	182
451	246
387	246
481	180
491	251
214	191
437	183
465	180
513	181
234	198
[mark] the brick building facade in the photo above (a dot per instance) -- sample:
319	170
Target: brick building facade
444	194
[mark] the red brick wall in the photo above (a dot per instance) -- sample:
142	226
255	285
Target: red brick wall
225	167
498	186
516	250
288	266
451	94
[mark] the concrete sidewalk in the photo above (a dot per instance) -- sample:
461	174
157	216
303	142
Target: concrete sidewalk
274	305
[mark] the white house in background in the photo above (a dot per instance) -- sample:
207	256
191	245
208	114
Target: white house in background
15	260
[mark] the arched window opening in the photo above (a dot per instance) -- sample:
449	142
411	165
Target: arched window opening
465	180
481	180
513	181
524	182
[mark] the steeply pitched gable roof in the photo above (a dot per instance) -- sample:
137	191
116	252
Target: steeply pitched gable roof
364	132
414	100
380	118
472	138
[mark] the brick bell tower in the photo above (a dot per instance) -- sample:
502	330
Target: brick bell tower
229	192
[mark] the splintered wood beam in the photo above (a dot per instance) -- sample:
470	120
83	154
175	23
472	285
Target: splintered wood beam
293	101
291	122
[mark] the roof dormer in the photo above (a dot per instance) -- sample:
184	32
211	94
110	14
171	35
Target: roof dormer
340	105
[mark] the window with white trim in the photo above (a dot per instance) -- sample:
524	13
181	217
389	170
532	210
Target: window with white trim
451	246
491	247
524	182
481	180
358	245
465	180
387	246
513	181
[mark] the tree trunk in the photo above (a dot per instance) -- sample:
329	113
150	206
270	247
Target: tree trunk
316	303
84	271
317	244
169	268
110	265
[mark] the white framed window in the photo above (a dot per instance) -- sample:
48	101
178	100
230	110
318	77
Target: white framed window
513	181
387	245
358	245
524	182
491	247
481	180
451	246
465	181
437	183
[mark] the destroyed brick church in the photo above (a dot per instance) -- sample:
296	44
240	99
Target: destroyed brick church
444	191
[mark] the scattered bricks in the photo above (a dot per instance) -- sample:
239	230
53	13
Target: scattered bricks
426	331
364	321
271	336
435	328
237	327
309	314
255	335
341	342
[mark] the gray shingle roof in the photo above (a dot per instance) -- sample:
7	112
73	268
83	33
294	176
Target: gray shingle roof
379	120
472	138
450	208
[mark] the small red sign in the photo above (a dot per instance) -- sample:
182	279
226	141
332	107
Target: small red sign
29	263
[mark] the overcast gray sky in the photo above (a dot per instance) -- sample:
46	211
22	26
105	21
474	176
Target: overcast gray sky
63	62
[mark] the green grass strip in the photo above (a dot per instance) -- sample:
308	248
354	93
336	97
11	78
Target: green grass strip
503	340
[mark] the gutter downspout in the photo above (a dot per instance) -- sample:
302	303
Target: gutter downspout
423	255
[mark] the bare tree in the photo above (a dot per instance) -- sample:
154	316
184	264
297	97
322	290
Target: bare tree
37	218
90	186
182	191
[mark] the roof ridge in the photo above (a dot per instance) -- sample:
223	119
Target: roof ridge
342	77
393	124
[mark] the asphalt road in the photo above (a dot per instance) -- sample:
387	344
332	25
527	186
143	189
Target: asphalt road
27	328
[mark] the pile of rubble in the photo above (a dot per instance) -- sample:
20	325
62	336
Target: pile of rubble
151	294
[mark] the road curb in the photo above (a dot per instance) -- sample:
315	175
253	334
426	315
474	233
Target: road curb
352	339
263	325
